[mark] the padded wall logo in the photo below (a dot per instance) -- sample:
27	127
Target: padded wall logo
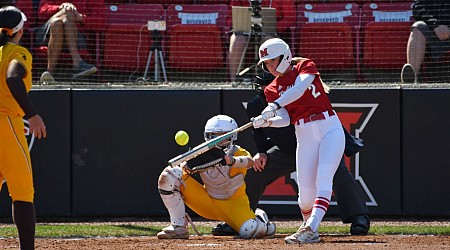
30	137
354	117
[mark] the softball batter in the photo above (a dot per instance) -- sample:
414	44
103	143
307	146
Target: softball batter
222	197
15	82
297	95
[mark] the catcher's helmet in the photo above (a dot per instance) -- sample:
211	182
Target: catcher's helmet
273	48
218	125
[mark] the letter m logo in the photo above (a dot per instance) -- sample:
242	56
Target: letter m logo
263	53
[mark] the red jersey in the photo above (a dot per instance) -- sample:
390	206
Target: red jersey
313	101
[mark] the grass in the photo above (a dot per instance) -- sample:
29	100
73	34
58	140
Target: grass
124	230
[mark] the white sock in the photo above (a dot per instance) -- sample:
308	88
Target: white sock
320	208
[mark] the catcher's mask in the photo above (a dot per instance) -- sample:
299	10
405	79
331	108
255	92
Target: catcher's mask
273	48
219	125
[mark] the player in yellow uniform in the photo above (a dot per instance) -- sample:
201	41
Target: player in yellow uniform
222	197
15	82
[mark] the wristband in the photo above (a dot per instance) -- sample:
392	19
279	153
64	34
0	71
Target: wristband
232	161
277	104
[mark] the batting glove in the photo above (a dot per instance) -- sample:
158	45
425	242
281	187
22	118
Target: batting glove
270	111
259	122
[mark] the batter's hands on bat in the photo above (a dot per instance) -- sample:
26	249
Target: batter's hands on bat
37	127
259	162
442	32
270	111
259	122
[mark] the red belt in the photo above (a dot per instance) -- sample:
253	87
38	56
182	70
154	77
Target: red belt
319	116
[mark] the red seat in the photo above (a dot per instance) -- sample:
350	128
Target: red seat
386	28
328	34
213	1
196	36
127	40
165	3
26	6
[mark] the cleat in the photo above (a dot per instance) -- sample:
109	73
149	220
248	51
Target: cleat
174	232
223	229
304	235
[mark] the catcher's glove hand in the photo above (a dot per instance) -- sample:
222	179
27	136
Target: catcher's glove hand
206	160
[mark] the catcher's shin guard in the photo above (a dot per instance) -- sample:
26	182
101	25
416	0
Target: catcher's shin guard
260	227
169	188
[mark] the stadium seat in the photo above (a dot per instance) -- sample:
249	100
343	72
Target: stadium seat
213	2
127	40
165	3
26	6
196	36
328	34
108	2
385	28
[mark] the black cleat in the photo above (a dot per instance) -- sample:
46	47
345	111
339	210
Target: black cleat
360	225
223	229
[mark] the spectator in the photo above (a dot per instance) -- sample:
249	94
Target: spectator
276	149
65	25
286	16
15	104
429	36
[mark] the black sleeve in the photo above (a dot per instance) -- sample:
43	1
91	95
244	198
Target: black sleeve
14	77
254	108
425	10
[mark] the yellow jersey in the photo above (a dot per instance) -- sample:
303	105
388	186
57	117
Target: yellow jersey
8	53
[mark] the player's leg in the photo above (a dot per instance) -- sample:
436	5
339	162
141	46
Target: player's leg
169	186
24	218
307	160
278	165
16	170
237	213
351	205
330	154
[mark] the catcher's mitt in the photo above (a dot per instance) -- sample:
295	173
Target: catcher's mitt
206	160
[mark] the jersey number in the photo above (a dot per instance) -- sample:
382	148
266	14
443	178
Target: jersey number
314	92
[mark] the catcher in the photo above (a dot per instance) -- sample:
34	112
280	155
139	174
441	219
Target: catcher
222	197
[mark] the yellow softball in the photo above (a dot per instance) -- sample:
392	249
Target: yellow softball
182	138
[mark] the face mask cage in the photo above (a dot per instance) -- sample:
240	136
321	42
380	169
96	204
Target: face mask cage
224	144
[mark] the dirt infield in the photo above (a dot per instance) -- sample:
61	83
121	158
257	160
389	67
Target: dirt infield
335	242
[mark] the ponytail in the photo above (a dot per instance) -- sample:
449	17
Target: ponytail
3	37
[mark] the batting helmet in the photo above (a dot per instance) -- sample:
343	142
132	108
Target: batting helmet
273	48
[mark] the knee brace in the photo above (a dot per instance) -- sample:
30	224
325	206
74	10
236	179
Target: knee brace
258	227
